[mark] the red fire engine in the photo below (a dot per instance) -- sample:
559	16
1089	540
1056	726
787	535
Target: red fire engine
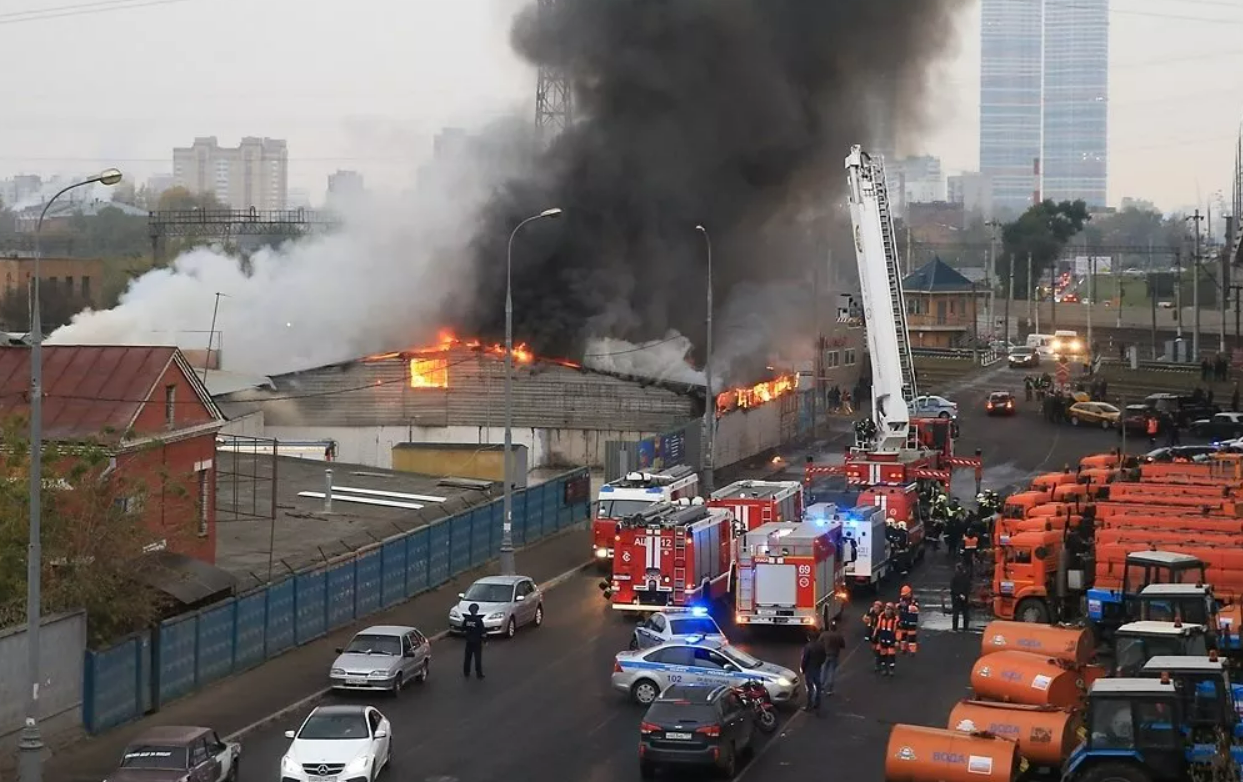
635	493
759	502
673	554
791	573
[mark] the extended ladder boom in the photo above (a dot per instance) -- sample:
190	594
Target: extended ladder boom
884	306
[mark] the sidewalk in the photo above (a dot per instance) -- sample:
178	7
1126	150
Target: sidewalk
240	701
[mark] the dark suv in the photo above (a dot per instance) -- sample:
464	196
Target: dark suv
695	726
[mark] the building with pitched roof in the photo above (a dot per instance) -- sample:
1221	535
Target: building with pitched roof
149	408
941	306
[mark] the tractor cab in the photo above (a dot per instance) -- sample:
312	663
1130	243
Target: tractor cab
1209	700
1192	603
1110	608
1131	734
1135	643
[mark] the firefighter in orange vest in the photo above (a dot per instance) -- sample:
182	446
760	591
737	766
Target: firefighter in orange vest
970	545
1152	428
885	641
869	620
908	621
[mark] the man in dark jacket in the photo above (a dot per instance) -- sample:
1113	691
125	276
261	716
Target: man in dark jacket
960	590
833	642
472	628
813	667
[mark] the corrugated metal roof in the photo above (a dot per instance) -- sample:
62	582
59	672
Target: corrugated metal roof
87	389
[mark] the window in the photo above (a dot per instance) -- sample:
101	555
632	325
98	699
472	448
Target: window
204	499
69	286
706	658
170	405
674	655
373	718
850	357
832	359
198	752
86	288
658	623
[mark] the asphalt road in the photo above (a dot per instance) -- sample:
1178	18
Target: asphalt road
546	709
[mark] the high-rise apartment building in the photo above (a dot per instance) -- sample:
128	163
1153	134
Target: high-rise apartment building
345	184
921	180
1076	100
1044	72
253	174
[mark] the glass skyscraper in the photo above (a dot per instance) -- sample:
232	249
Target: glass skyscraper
1076	100
1011	56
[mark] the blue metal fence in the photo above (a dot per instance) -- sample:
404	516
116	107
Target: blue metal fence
189	652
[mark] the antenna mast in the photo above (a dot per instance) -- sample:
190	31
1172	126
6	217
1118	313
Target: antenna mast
554	102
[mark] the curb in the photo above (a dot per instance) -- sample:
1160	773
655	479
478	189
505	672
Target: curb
315	697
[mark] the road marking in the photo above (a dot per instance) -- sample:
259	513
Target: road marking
317	696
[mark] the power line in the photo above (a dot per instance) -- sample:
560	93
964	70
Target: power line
79	9
1151	14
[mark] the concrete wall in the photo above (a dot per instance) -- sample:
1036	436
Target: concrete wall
742	434
249	425
373	445
63	644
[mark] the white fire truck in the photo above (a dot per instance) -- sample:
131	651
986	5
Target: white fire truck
790	573
635	493
759	502
673	554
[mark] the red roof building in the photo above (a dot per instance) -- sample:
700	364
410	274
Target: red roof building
151	409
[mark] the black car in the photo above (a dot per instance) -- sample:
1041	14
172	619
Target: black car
1223	426
694	726
1000	403
1023	357
1182	408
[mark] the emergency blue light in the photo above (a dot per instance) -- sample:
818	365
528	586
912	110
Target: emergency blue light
605	488
694	639
698	611
653	490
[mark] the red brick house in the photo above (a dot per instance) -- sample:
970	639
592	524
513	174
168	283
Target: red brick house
149	404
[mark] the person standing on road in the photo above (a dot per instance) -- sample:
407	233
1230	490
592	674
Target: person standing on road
885	641
960	591
833	643
472	627
813	667
908	621
870	619
1151	429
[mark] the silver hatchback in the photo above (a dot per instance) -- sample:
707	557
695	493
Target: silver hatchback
384	657
505	602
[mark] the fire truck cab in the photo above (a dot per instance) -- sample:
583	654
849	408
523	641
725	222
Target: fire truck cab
790	573
635	493
672	554
760	502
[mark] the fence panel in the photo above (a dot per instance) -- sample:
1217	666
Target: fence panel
438	555
312	601
176	657
111	685
480	536
498	519
534	496
368	574
459	542
417	549
252	625
393	572
340	595
280	617
520	519
216	628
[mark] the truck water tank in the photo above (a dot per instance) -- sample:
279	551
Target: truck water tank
918	754
1071	644
1046	734
1022	677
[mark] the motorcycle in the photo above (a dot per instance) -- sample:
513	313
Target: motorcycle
755	697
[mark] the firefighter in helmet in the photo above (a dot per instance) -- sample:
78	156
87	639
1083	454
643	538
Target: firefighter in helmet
908	621
869	620
885	641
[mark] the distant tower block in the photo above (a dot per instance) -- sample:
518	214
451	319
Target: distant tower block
554	102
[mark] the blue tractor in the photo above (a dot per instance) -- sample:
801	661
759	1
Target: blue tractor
1109	609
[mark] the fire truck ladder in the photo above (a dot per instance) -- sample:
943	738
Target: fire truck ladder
893	271
679	566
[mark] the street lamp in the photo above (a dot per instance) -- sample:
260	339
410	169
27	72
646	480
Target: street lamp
30	745
710	403
507	527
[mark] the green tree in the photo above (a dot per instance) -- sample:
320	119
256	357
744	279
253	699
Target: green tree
110	233
1041	233
180	199
93	535
1138	229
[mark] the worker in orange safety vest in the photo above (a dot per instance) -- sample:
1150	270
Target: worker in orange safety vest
908	621
869	620
885	641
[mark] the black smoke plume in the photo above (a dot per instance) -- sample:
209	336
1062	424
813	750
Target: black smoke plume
733	114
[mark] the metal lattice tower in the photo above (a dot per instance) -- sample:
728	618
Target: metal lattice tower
554	102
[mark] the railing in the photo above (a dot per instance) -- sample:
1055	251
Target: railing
188	652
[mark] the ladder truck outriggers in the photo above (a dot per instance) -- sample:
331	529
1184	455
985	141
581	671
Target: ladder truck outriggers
893	452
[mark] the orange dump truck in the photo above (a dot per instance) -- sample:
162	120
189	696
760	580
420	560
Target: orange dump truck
1017	506
1145	492
1029	679
919	754
1223	563
1165	505
1213	473
1049	481
1100	460
1211	524
1046	735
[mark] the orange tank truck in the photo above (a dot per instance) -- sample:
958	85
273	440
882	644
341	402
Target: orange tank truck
1048	481
1142	492
1010	527
1070	492
1046	735
1163	537
918	754
1030	679
1223	564
1165	504
1214	473
1073	645
1098	476
1017	505
1099	460
1210	524
1052	509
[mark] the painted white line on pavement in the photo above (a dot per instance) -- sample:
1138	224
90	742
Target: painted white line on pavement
298	705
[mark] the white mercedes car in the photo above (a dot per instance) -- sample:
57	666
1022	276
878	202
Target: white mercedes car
346	743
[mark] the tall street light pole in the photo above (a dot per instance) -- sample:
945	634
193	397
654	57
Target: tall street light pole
30	744
710	398
507	527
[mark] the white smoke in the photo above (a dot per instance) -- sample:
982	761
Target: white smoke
661	359
374	286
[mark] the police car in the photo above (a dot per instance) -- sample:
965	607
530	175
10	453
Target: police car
668	626
644	674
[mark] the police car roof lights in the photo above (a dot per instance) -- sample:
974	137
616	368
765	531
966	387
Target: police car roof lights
698	611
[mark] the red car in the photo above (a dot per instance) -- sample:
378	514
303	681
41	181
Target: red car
1000	403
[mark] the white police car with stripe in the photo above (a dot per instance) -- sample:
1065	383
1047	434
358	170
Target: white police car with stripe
646	673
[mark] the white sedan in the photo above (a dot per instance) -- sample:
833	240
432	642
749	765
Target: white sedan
689	626
934	407
346	743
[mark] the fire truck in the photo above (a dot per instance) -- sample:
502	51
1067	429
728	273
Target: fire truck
632	494
672	554
868	555
790	573
759	502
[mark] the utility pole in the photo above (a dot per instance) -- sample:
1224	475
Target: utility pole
710	400
1009	296
1152	289
1091	295
1031	298
1195	289
990	277
975	328
816	370
1178	295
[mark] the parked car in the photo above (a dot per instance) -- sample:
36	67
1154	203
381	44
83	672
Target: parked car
1100	414
1223	426
1136	420
1023	357
1180	453
692	726
345	742
1181	407
383	657
646	673
934	407
506	602
669	625
174	753
1000	403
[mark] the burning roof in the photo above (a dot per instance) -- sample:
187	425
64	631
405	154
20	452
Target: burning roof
745	397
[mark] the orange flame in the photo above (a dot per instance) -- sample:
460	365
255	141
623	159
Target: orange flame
427	370
753	396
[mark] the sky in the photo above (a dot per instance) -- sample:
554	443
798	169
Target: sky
365	86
